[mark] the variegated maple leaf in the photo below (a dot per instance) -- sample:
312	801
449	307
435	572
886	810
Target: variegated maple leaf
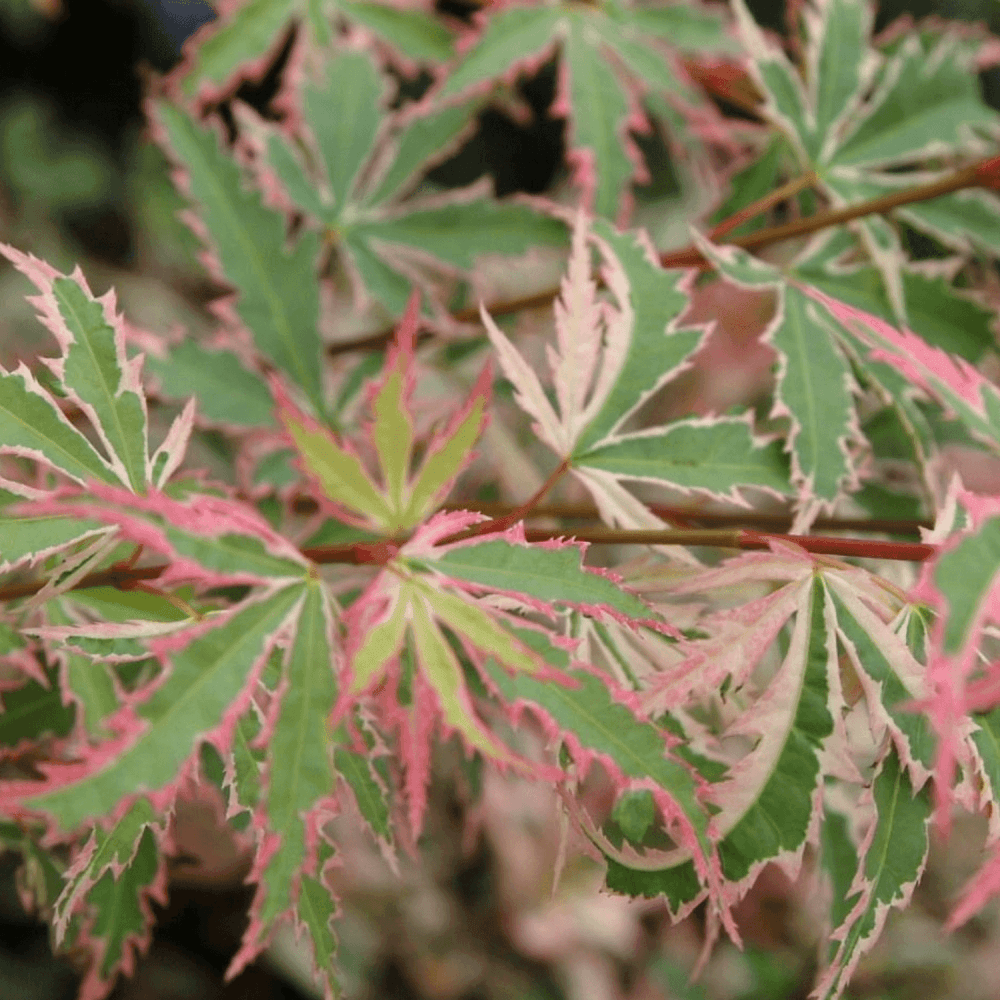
856	129
596	42
611	355
428	646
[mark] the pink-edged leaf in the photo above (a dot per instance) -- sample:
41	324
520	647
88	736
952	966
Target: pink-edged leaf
32	426
961	585
769	799
598	721
548	574
892	678
278	299
609	359
360	772
300	778
717	456
90	685
106	893
892	858
956	383
207	537
105	850
206	679
314	911
93	369
396	648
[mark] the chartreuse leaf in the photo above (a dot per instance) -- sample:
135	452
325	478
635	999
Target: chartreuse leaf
552	575
402	496
409	649
203	680
277	297
439	665
718	456
338	472
300	773
600	112
892	859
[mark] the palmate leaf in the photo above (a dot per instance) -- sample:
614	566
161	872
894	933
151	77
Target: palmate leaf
794	723
756	820
276	290
891	861
401	496
858	120
300	779
396	646
814	383
599	722
598	101
209	539
367	163
207	673
93	373
399	652
242	38
609	359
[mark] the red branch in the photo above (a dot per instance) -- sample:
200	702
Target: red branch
379	553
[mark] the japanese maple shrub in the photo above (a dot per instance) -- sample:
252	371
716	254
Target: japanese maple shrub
307	632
